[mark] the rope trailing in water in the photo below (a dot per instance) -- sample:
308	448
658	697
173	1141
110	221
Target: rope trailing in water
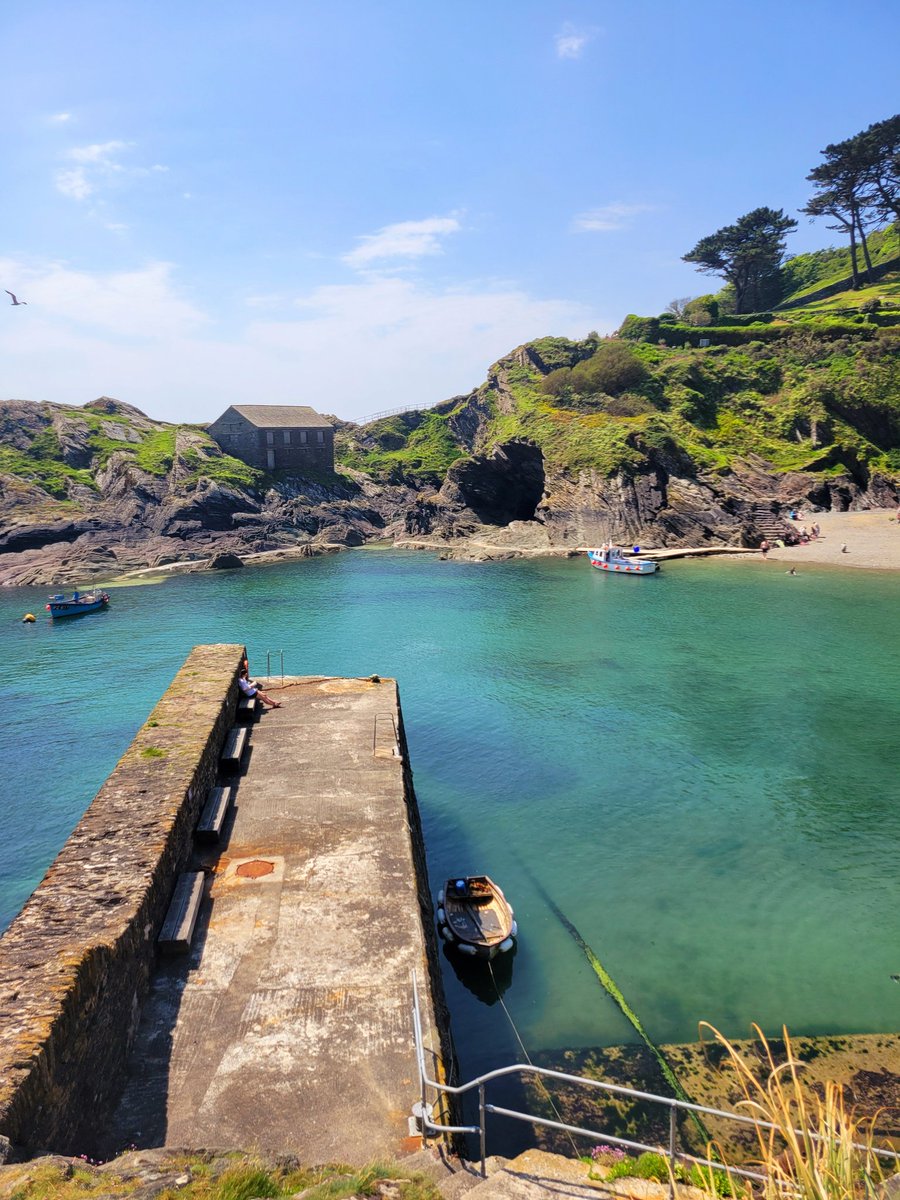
614	991
540	1082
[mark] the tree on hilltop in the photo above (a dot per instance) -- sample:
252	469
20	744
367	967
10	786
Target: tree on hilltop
879	148
859	180
842	182
677	306
748	255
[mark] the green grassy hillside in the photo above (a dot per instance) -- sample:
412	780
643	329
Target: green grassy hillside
808	273
54	448
803	391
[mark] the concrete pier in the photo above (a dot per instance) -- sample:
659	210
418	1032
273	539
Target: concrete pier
287	1026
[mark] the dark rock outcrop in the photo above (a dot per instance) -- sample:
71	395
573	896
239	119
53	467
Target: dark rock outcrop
505	485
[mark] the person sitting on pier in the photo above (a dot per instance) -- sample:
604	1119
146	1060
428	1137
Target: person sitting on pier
250	689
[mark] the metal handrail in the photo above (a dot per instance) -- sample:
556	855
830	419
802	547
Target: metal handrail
674	1105
269	654
393	412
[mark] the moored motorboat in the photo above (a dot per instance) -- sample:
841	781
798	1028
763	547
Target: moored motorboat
78	604
611	558
475	918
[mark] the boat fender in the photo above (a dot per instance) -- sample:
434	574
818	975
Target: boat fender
441	916
441	896
28	619
464	949
446	934
504	946
514	931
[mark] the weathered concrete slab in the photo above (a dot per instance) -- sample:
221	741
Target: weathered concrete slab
288	1027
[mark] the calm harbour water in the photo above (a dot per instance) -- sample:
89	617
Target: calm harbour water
699	768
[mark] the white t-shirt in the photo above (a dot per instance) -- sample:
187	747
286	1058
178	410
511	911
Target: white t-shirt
246	686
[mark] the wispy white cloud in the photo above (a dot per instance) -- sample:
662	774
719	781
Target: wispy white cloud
100	152
98	164
609	217
571	41
74	183
59	118
404	240
134	335
143	304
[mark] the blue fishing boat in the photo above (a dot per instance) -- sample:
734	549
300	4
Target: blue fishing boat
77	605
612	559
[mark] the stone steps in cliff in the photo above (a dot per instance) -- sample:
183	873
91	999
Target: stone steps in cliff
769	524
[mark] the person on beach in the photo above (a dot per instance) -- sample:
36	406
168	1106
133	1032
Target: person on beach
250	689
764	547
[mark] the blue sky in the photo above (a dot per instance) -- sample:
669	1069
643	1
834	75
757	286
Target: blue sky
360	206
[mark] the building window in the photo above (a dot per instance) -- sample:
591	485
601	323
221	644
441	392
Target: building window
270	459
270	437
287	437
302	437
320	436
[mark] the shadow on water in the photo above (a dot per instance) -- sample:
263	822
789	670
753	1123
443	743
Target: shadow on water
487	981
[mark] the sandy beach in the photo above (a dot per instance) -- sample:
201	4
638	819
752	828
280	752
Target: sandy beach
872	539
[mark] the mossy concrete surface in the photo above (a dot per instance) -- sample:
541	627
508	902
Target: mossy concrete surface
75	964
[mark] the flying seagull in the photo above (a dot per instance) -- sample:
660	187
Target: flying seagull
14	300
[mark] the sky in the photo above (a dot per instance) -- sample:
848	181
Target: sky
360	206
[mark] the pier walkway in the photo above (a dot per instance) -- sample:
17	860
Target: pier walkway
287	1027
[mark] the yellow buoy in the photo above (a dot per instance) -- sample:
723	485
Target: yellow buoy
28	618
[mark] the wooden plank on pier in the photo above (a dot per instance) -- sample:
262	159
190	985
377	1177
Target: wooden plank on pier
178	927
218	802
235	745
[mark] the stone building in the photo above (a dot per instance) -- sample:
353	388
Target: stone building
286	437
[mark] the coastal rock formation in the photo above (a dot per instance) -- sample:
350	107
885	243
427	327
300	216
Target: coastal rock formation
702	447
92	492
504	485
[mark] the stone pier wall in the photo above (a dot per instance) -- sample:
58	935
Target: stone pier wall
441	1060
75	964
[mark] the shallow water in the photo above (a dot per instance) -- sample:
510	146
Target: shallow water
699	767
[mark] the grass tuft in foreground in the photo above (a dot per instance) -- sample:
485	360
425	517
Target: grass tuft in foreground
819	1148
229	1177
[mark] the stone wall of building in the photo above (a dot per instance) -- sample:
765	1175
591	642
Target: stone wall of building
278	448
75	964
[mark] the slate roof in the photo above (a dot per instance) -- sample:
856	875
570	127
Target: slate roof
282	416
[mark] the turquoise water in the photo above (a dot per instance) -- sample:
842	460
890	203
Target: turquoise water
699	767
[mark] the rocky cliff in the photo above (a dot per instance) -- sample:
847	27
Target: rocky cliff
92	492
566	444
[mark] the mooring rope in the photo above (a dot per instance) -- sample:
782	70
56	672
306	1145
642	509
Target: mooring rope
541	1083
